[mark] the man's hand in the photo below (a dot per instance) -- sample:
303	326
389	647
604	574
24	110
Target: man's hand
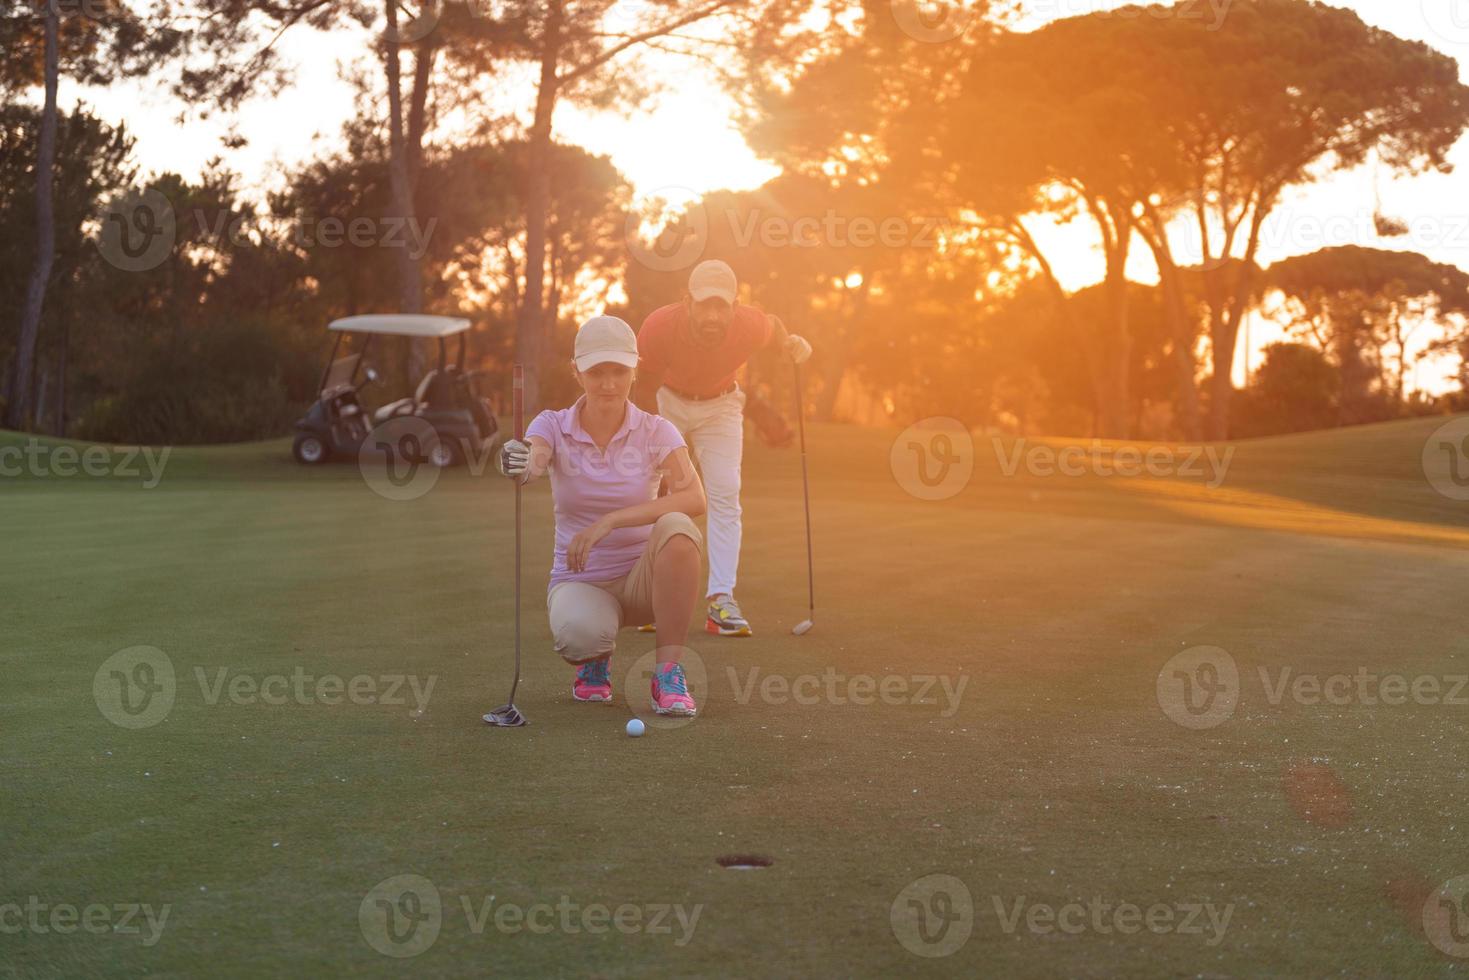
797	348
514	460
581	546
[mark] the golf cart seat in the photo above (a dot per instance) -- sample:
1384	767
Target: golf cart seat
403	406
432	390
436	390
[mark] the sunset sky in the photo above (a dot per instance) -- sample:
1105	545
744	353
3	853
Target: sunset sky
685	140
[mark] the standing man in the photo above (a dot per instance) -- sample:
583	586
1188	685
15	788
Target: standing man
690	352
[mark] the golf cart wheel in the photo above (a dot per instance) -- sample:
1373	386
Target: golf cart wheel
443	453
309	450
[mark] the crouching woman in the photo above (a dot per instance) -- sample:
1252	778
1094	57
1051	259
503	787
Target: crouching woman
623	555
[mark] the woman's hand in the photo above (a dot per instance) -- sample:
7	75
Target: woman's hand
581	545
514	460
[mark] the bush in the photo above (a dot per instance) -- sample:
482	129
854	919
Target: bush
1295	389
228	383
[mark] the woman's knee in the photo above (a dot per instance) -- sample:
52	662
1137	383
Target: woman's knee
679	533
581	640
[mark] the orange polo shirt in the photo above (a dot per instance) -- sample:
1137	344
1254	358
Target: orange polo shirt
667	350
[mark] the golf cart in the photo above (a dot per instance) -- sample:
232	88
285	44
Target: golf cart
456	421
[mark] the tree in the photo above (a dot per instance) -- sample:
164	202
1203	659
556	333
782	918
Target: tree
573	45
838	266
1048	123
1277	94
1295	389
471	208
1158	122
233	56
1360	306
42	40
848	101
91	162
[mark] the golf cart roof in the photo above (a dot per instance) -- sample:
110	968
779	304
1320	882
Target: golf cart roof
402	324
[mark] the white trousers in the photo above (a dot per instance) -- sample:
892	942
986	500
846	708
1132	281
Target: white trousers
715	432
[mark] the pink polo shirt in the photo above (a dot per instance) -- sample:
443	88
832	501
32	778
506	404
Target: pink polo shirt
587	483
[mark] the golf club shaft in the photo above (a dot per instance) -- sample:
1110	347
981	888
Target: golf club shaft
805	493
517	394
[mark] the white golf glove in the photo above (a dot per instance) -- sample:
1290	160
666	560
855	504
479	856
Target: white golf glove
798	348
514	459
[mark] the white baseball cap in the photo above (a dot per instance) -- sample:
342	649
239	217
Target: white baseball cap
712	278
602	339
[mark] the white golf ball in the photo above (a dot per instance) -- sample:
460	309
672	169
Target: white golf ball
635	728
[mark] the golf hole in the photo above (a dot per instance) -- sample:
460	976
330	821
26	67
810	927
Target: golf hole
744	862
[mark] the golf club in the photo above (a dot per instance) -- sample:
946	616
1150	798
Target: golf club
508	715
804	626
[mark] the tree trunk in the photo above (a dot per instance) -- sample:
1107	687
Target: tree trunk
1181	331
532	305
1116	353
410	279
553	292
833	368
1221	384
1225	322
1190	422
1114	338
59	422
1400	385
1350	330
43	383
1109	344
18	410
834	361
1067	316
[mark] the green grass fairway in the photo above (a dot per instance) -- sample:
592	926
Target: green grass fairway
1055	777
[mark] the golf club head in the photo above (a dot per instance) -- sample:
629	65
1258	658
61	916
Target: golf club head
803	627
506	716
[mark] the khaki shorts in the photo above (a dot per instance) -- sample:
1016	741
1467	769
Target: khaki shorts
585	616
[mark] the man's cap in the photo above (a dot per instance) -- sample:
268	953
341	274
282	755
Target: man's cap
712	278
605	338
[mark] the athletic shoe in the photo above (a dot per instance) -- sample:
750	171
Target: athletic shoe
593	681
648	628
725	618
671	691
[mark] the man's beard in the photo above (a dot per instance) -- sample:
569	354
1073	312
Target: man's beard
710	338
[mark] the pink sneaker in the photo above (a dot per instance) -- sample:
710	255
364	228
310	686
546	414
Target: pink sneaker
593	681
671	691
